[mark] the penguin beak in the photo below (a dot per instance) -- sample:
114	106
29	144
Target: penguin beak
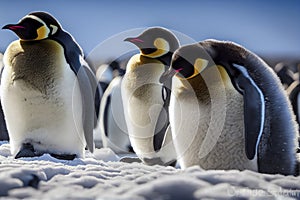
13	27
134	40
167	75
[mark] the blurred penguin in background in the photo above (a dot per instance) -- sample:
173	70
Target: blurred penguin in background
106	72
285	74
294	94
111	122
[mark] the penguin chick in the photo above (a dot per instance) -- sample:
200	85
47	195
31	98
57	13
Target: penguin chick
145	110
48	90
258	130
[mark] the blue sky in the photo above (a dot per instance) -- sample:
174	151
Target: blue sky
269	28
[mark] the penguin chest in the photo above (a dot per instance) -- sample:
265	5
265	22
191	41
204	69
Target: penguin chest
141	94
38	92
207	123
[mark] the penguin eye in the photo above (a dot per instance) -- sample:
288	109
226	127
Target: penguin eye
30	29
187	72
183	67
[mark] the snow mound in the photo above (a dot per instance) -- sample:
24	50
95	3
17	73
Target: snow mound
101	176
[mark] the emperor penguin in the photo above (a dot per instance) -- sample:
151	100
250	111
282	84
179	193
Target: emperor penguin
145	100
229	110
47	91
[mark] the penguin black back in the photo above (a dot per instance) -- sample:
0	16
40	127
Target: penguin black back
277	146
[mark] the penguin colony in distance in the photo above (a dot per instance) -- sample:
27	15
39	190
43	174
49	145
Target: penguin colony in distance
258	131
47	91
145	113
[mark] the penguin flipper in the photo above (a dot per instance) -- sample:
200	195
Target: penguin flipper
254	110
127	159
88	87
63	156
160	130
163	118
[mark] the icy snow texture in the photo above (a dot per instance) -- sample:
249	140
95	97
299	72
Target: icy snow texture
102	177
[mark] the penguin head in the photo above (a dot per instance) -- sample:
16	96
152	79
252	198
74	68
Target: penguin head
35	26
155	42
187	62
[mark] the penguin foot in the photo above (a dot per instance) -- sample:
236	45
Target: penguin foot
130	160
172	163
130	149
158	161
27	150
64	156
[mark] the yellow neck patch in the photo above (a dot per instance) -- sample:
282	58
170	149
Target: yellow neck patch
42	33
162	47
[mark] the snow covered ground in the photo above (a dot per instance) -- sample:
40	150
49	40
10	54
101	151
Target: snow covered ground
101	176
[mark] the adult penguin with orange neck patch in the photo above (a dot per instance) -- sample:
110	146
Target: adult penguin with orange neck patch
144	106
258	131
47	90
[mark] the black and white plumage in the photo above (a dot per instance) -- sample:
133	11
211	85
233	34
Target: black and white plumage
48	90
111	131
144	106
258	130
285	74
112	123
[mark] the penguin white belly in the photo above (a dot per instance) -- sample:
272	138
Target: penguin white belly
51	121
207	127
141	94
